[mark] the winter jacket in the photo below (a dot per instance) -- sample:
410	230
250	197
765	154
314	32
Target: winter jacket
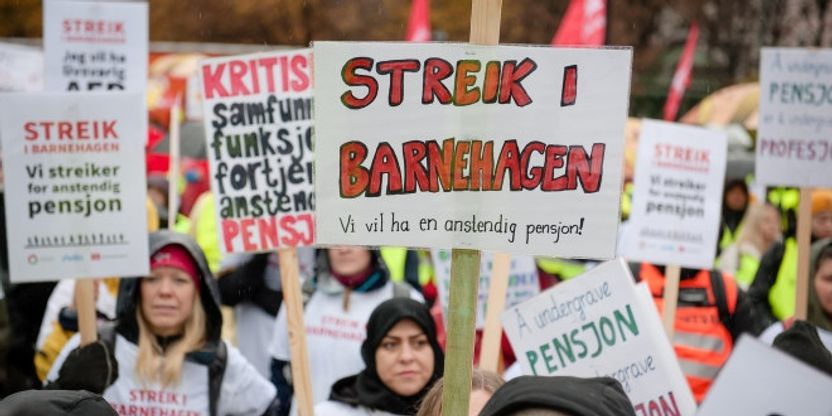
55	403
243	391
772	292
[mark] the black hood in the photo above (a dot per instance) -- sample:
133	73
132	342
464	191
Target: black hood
128	293
366	389
55	402
602	396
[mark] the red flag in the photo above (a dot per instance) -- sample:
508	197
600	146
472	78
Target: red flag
585	23
681	78
418	26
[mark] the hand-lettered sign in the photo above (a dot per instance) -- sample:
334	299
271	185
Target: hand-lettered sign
678	195
95	46
75	189
508	148
258	128
600	324
794	140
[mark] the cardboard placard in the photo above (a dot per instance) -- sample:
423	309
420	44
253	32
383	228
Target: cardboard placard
601	324
501	148
258	128
760	380
677	197
75	199
794	139
95	46
21	68
523	281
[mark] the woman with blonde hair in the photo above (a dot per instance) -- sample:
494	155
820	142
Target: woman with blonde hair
761	229
165	355
483	384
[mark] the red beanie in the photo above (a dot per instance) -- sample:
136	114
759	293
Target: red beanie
176	256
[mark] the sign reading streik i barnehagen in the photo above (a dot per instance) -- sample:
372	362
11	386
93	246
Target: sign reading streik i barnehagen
794	140
504	148
599	324
677	197
95	45
258	128
75	185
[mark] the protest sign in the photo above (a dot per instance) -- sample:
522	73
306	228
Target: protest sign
794	139
509	148
677	197
21	68
599	324
523	282
75	198
759	380
95	46
258	128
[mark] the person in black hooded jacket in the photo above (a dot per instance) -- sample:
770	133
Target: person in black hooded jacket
403	359
166	347
562	395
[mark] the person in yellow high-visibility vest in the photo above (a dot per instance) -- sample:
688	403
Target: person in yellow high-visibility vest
734	204
773	289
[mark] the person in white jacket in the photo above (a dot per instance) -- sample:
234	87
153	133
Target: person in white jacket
402	359
165	355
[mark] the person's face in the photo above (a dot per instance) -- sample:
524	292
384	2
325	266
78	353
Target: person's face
770	224
823	285
167	300
404	359
736	199
479	398
822	224
348	260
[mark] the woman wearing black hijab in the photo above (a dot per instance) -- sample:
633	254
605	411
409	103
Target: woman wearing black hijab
403	360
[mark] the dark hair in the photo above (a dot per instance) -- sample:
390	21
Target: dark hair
824	254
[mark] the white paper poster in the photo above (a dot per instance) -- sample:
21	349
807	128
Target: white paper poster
21	68
794	139
502	148
598	324
677	196
523	281
75	185
258	128
95	45
759	380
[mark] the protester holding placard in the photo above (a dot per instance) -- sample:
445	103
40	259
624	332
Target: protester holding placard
773	291
402	360
742	258
708	320
349	283
820	296
167	346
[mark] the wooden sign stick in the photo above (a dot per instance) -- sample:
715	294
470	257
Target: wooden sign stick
85	307
671	298
804	242
292	301
465	264
173	170
491	335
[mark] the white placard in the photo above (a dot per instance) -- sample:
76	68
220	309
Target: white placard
523	281
21	68
258	128
75	189
95	45
794	138
759	380
677	195
599	324
502	148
